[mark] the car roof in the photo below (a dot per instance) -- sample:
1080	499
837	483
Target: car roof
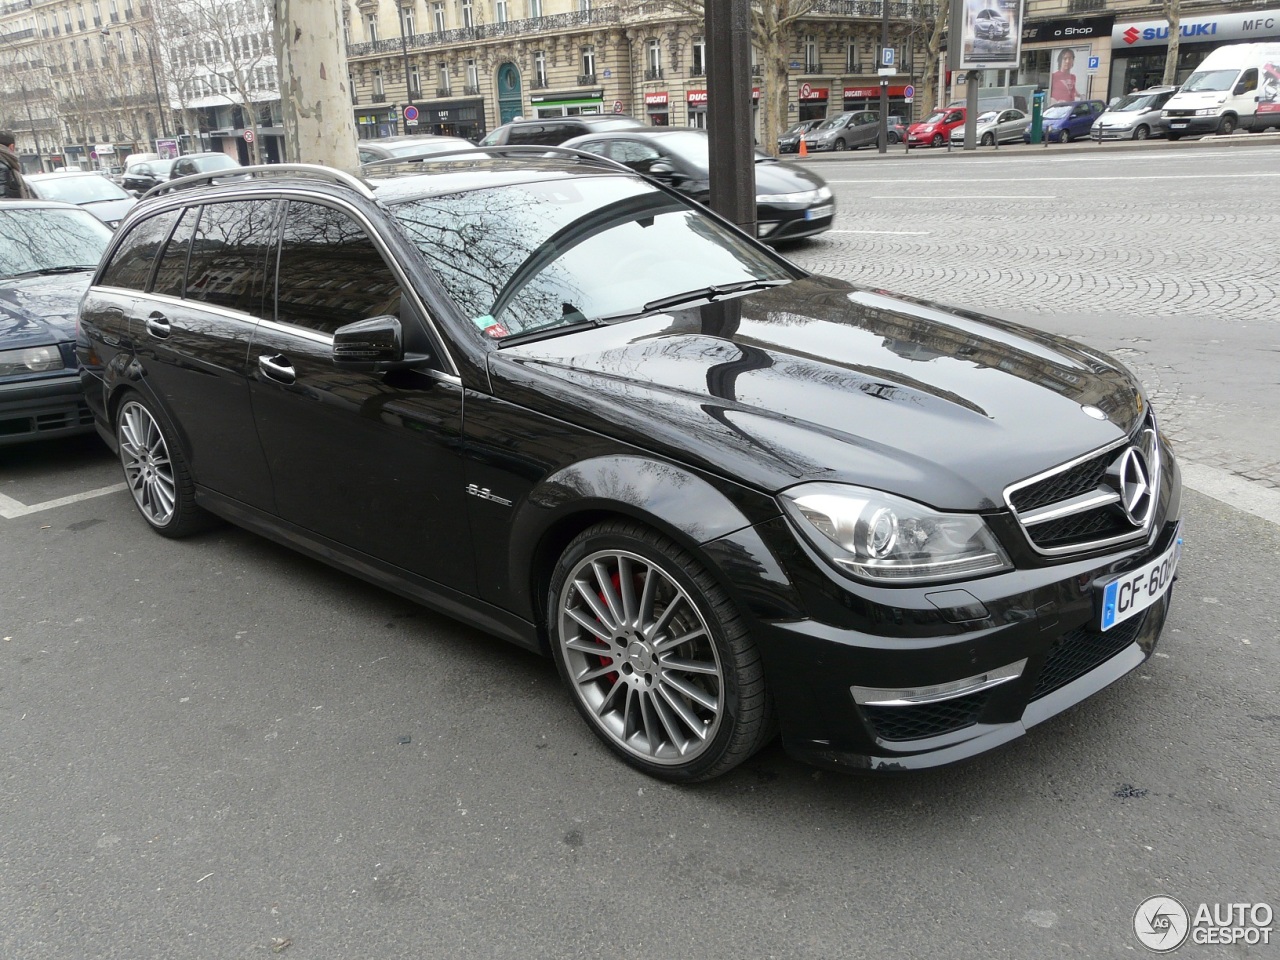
11	205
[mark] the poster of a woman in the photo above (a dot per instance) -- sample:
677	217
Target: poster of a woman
1068	80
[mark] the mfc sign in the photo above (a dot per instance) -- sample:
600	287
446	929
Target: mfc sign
1255	25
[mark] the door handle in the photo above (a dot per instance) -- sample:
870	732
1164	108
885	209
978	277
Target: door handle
278	368
158	326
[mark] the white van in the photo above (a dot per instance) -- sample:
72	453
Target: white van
1237	86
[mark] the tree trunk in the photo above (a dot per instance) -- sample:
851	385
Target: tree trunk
773	55
319	125
1173	12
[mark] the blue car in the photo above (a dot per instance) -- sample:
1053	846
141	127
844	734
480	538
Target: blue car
1068	121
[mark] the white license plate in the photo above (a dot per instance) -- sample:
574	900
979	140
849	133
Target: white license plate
1178	124
817	213
1131	593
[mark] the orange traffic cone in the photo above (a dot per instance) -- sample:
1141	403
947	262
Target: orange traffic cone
804	151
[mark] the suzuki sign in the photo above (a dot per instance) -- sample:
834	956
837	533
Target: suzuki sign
1223	27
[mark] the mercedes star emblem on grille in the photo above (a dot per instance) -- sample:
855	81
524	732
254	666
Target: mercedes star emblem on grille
1135	486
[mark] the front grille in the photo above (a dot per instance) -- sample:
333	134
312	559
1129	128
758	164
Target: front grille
1076	653
1077	507
926	719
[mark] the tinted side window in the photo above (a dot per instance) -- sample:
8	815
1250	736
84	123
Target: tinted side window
330	272
173	261
228	260
131	265
540	134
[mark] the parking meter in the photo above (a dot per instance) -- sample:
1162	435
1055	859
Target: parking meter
1037	116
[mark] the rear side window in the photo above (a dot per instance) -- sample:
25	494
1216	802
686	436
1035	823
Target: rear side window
330	272
131	265
173	261
540	134
228	262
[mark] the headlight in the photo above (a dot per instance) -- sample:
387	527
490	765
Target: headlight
888	539
31	360
797	200
1207	112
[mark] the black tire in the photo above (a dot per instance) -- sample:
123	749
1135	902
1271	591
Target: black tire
894	138
937	140
839	145
1141	132
1226	126
155	470
680	711
1064	135
988	140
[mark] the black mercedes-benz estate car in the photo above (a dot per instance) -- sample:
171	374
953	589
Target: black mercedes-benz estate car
561	402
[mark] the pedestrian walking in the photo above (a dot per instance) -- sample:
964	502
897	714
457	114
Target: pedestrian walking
12	185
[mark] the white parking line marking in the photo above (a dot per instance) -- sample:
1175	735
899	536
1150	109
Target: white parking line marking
11	509
965	196
1262	502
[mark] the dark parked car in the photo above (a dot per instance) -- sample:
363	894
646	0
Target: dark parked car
553	131
400	148
789	142
1064	122
95	192
141	176
48	252
792	201
567	405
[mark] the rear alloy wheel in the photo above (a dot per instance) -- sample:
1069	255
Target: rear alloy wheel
988	140
1142	132
155	472
658	661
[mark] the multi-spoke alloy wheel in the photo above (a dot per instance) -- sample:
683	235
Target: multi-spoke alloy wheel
155	472
657	661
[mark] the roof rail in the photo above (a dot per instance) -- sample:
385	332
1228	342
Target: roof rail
313	170
498	150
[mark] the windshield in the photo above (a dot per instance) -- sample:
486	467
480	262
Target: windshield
1054	112
90	189
42	239
835	123
553	253
934	118
1210	80
219	162
989	117
798	128
1132	104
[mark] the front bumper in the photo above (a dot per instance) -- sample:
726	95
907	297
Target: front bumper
43	408
1044	620
1186	126
774	225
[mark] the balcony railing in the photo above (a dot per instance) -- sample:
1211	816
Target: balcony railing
586	79
487	31
444	92
813	66
697	71
415	93
379	98
1085	6
471	90
539	83
653	73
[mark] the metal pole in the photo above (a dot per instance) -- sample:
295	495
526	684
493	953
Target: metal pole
155	84
404	49
883	145
729	127
31	120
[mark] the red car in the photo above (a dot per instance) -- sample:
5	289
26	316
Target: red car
936	129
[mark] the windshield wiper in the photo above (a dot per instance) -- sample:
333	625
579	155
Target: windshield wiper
710	293
50	271
546	333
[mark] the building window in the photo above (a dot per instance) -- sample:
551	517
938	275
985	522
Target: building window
540	68
811	55
371	27
406	21
499	11
699	67
589	61
443	87
468	20
535	9
851	57
437	14
653	59
378	90
415	83
584	6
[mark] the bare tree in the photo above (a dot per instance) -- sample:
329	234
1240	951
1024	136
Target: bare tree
1172	10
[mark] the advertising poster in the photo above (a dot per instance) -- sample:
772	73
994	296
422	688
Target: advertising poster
990	33
167	148
1069	79
1269	89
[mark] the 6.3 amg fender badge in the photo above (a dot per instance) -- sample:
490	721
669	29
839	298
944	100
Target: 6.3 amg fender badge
484	494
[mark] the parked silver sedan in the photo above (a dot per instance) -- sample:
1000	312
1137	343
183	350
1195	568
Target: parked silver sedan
1135	117
1007	125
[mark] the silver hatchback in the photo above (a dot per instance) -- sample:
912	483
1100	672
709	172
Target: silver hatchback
1135	117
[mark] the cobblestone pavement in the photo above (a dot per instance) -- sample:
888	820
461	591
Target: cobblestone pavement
1168	261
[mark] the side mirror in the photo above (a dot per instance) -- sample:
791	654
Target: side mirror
662	169
373	345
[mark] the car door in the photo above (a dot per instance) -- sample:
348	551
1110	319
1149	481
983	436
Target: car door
864	129
372	461
192	328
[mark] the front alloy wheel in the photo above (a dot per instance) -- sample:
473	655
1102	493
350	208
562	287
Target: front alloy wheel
657	660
